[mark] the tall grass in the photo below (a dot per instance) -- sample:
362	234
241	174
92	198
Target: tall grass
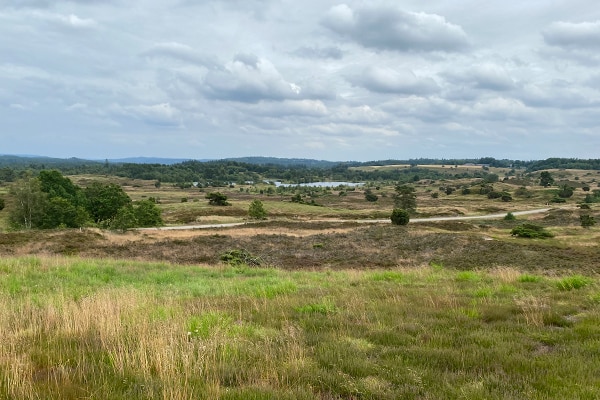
98	329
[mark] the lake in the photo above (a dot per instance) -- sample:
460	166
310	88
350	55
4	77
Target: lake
321	184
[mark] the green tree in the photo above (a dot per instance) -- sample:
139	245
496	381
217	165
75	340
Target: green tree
104	200
60	212
29	205
546	179
124	219
405	198
56	185
400	217
257	210
217	199
147	214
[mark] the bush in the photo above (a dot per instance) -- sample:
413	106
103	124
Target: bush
531	231
2	204
240	257
217	199
257	210
587	221
509	217
400	217
370	196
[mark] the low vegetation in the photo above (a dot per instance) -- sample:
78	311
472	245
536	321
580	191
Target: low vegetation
74	328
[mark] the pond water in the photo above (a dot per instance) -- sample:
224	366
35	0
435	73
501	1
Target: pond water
320	184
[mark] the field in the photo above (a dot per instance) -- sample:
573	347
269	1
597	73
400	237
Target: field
80	328
319	301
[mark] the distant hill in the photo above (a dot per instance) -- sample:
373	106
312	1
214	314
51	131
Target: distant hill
151	160
285	161
23	160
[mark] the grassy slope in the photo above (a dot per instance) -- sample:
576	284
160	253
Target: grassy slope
98	329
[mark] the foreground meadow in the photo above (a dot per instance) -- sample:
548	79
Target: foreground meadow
105	329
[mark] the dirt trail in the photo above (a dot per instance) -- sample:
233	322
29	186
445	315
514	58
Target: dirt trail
362	221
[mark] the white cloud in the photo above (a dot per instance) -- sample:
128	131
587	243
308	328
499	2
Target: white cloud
163	114
388	80
584	35
389	28
249	79
486	76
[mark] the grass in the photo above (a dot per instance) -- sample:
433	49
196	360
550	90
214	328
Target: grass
74	328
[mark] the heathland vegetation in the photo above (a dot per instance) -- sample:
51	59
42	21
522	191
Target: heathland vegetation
296	292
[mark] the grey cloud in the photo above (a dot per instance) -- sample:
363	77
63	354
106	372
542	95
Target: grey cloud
558	94
388	28
163	114
584	35
319	52
46	3
181	52
387	80
251	60
301	108
241	82
486	76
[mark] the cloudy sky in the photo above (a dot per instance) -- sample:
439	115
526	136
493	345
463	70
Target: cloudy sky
355	80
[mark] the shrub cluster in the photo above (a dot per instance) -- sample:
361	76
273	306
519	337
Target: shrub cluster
531	231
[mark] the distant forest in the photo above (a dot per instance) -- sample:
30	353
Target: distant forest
294	171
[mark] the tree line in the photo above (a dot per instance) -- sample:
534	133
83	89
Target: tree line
224	172
51	200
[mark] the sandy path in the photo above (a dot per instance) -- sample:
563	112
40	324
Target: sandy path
363	221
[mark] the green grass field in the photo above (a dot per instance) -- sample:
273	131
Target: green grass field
76	328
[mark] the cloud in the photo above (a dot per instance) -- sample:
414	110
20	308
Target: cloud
179	51
249	79
583	35
559	94
388	80
499	108
302	108
163	114
319	52
359	115
487	76
388	28
47	3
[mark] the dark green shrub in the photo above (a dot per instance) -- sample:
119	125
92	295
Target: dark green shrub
506	197
370	196
565	192
257	210
217	199
509	217
400	217
240	257
531	231
587	221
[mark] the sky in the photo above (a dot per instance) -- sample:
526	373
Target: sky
354	80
